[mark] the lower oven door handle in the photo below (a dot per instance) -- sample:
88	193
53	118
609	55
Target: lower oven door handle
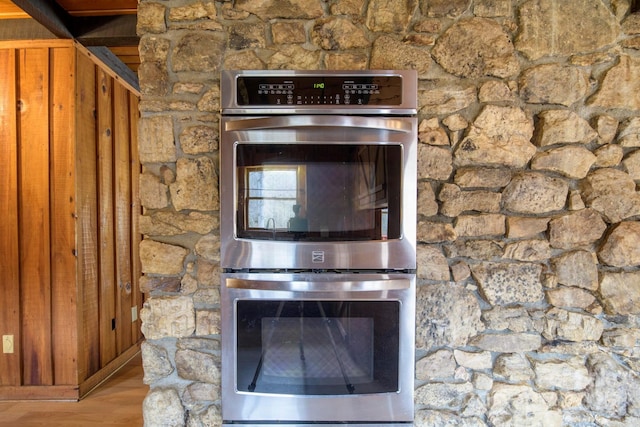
320	286
281	122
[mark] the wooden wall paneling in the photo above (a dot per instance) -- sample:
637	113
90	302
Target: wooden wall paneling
10	371
64	307
68	198
108	349
87	221
122	187
34	215
136	211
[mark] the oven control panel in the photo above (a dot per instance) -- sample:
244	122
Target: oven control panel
300	91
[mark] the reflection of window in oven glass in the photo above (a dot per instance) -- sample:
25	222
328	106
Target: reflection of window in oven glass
274	196
372	191
334	192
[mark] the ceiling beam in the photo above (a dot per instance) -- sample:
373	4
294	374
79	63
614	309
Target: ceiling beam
49	14
107	31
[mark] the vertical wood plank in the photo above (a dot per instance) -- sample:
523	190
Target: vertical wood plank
106	234
122	154
87	221
64	307
34	228
9	267
136	211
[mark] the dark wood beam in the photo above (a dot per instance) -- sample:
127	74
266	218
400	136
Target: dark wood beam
49	14
110	31
106	30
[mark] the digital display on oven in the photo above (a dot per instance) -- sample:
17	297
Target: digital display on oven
319	90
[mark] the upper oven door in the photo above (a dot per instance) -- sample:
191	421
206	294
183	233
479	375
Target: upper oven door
318	192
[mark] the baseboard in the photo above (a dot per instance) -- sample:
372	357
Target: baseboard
69	392
110	368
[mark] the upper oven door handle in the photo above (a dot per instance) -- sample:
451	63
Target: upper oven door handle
302	285
281	122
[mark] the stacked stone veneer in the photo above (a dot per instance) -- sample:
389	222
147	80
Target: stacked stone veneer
528	296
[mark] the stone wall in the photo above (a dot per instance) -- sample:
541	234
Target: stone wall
529	211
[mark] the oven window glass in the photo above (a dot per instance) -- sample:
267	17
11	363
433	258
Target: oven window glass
317	347
318	192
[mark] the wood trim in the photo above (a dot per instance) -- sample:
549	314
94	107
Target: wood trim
104	7
43	43
18	14
10	368
62	392
70	392
103	12
136	211
104	58
109	369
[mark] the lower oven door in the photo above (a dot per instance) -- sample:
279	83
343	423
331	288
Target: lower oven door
317	347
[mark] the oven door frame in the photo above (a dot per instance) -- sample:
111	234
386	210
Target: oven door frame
393	254
389	407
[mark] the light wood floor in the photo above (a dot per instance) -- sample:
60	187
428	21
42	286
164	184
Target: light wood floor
115	403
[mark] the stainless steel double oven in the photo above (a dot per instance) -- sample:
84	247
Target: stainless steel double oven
318	247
